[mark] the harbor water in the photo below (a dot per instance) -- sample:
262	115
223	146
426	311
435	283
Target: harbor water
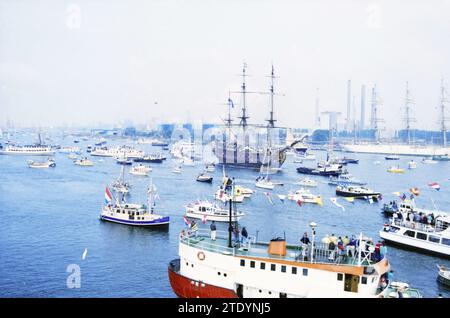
50	221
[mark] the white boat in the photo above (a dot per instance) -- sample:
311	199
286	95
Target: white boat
70	150
345	179
140	170
305	196
209	211
396	149
188	162
412	164
307	182
429	161
84	162
131	213
122	152
427	237
208	266
72	156
246	192
394	169
223	196
204	177
264	183
30	150
210	167
120	185
177	169
50	163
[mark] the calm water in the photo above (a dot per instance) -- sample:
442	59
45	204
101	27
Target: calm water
50	216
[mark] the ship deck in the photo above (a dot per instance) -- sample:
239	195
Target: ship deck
294	253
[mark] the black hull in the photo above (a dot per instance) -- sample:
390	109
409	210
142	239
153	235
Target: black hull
314	172
374	195
205	181
148	160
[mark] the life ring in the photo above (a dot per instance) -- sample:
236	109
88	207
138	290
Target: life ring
201	256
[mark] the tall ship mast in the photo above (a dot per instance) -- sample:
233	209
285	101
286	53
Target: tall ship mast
444	118
408	118
239	147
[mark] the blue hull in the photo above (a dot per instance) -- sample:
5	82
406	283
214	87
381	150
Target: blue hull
158	222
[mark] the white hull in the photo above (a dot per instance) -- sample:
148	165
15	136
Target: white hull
396	149
216	218
27	153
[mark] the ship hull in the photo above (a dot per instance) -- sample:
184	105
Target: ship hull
249	159
184	287
159	222
27	153
396	149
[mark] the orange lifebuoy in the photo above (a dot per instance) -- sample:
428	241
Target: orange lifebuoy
201	256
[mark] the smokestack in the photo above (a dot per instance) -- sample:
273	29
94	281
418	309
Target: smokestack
349	102
363	107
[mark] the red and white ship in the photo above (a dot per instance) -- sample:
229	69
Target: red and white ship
210	268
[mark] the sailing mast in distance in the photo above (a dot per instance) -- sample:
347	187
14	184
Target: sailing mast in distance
408	118
271	121
444	118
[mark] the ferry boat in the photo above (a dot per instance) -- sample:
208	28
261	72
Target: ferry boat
433	238
50	163
153	158
444	276
408	206
84	162
209	211
140	170
30	150
131	213
222	269
357	192
305	196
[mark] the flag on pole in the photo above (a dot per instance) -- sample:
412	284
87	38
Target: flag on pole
415	191
230	102
434	185
204	219
403	197
334	200
186	221
108	196
281	197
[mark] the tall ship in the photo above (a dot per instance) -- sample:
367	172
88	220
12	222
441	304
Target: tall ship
38	149
409	148
242	145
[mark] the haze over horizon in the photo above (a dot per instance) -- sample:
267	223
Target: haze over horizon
84	62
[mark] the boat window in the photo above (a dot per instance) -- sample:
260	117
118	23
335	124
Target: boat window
410	233
364	280
242	262
340	276
262	265
283	268
294	270
305	272
369	270
445	241
273	267
252	264
421	236
434	239
118	211
393	229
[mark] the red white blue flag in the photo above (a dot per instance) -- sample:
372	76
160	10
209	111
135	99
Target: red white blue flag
435	185
108	196
186	221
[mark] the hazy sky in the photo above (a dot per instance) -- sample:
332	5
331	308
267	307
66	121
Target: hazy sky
92	61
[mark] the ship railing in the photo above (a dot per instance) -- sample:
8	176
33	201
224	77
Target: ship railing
416	225
191	238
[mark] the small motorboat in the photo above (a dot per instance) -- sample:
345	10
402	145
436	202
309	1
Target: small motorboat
392	157
395	169
177	169
305	196
401	290
210	167
307	182
50	163
412	164
124	161
211	212
357	192
246	192
444	276
264	183
83	162
429	161
203	177
72	156
140	170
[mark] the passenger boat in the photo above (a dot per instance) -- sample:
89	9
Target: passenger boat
123	152
402	290
140	170
412	164
429	161
124	161
153	158
444	276
307	182
357	192
209	211
84	162
220	268
322	170
304	196
70	150
408	206
345	179
203	177
397	169
392	157
30	150
50	163
433	238
132	213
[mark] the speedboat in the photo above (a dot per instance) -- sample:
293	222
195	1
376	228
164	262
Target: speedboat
84	162
203	177
395	169
307	182
401	290
140	170
246	192
357	192
392	157
209	211
305	196
429	161
444	276
50	163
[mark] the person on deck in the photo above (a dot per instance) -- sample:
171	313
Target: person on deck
244	235
305	239
213	230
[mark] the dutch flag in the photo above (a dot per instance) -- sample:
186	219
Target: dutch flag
434	185
108	196
186	221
